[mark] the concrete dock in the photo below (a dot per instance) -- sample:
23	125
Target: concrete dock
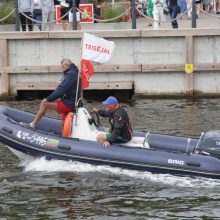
146	61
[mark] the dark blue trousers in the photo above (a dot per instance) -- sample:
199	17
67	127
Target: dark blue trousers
173	14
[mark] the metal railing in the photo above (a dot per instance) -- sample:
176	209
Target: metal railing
129	10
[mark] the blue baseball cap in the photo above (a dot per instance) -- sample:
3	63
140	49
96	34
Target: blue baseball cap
110	100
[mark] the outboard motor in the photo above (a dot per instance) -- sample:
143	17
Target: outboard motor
210	143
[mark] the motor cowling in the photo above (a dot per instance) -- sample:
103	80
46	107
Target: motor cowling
210	143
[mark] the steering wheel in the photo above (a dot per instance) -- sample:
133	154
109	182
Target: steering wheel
94	119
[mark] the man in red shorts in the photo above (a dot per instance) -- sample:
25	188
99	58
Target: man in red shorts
62	99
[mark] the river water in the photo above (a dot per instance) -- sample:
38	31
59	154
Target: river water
40	189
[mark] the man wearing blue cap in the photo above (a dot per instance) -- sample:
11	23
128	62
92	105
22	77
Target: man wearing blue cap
120	131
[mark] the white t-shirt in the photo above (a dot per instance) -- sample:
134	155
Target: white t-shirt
64	4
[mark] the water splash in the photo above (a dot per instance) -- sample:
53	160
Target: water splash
46	166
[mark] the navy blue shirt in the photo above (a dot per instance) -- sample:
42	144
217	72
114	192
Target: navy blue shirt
66	91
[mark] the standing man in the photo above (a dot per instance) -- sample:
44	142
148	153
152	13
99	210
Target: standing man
217	6
149	11
120	131
158	6
62	99
38	13
48	14
173	6
26	7
65	7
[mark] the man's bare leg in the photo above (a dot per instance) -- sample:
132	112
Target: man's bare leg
101	138
44	106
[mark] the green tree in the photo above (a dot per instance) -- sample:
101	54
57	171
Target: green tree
6	7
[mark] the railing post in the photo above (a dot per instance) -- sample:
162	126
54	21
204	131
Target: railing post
74	15
133	14
17	20
4	65
193	14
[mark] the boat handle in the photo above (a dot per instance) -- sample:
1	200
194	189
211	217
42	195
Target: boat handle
64	147
192	163
8	130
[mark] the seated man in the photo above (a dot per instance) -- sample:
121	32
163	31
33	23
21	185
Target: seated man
62	99
120	131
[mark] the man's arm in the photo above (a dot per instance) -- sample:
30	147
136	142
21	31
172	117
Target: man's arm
102	113
64	86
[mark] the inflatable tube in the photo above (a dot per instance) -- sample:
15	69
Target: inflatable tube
67	127
182	156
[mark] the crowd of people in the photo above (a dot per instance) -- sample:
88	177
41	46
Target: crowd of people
157	10
43	13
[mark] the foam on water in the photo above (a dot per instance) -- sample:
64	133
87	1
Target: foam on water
43	165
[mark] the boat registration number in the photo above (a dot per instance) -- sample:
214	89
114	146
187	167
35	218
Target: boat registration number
32	138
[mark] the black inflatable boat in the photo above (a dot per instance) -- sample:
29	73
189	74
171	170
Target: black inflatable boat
156	153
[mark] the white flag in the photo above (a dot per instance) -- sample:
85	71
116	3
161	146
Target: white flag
97	49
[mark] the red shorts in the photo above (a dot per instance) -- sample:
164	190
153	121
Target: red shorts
63	109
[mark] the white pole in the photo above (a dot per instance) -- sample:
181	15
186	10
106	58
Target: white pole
80	72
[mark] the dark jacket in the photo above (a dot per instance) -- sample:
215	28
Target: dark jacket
66	90
120	124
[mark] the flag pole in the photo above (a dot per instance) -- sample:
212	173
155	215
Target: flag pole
79	76
78	82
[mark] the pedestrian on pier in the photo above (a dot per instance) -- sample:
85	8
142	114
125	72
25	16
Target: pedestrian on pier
158	8
173	6
26	8
149	11
48	14
38	13
65	6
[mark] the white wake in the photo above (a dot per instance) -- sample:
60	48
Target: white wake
50	166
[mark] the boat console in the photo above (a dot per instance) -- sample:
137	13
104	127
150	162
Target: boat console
210	143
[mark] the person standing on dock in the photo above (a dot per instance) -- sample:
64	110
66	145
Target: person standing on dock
38	13
158	6
149	11
65	6
48	14
62	99
26	8
173	6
